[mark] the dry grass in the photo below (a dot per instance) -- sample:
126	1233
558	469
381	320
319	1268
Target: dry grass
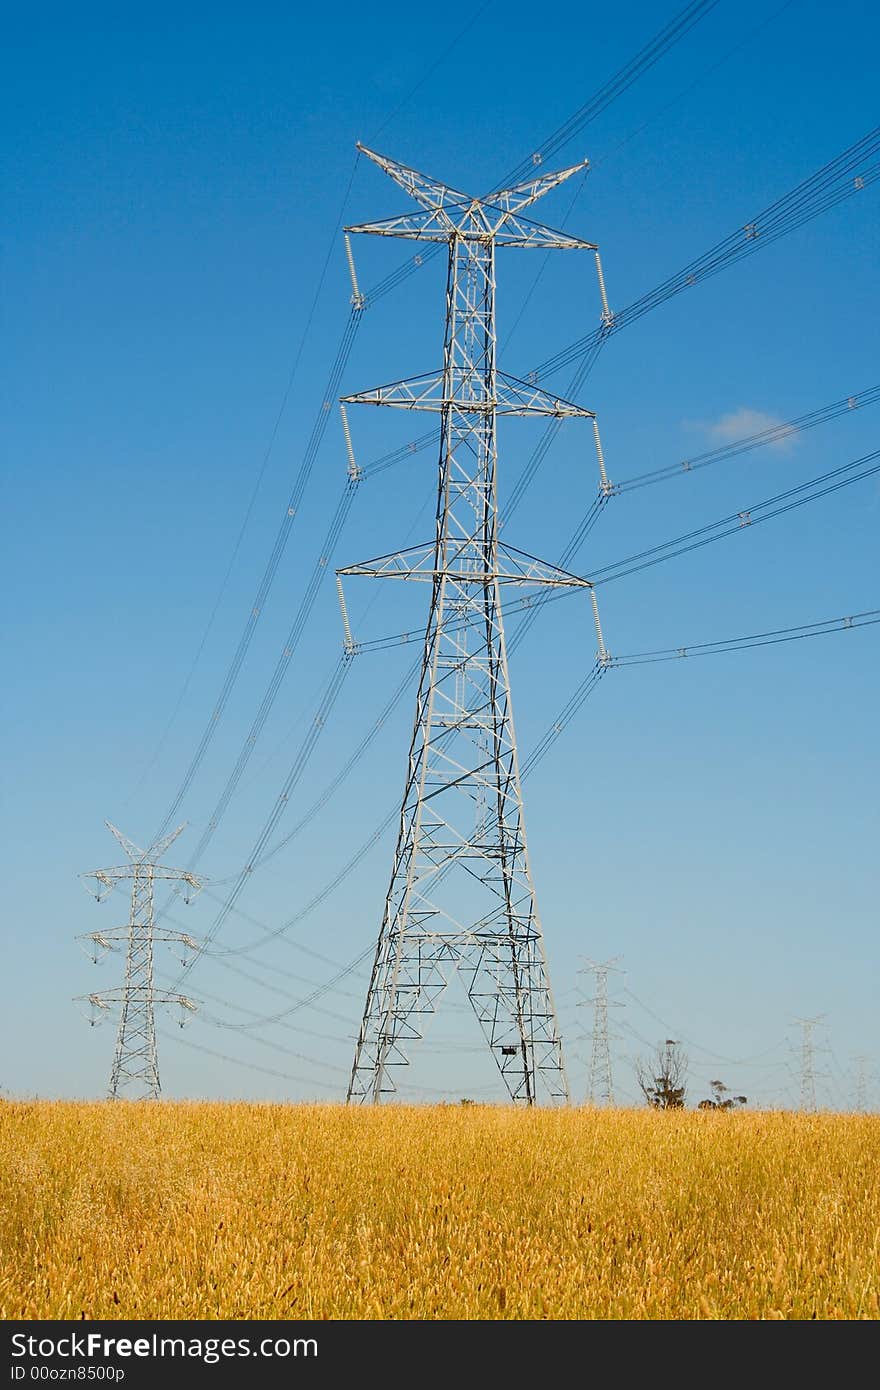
269	1211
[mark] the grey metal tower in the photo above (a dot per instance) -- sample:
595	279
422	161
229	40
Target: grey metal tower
807	1060
600	1085
461	895
862	1062
135	1062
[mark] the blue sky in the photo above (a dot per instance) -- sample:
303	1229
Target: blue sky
174	179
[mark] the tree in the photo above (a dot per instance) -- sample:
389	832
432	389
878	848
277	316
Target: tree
722	1099
662	1076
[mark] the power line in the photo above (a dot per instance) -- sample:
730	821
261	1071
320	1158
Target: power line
298	1028
287	652
257	861
651	53
308	1001
271	1043
255	490
283	534
743	520
675	30
779	433
824	189
778	505
596	163
313	734
732	524
250	1066
849	173
774	434
705	72
736	448
438	63
869	618
716	1056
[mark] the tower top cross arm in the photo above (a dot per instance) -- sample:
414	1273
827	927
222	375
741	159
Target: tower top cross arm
522	195
141	862
145	856
429	192
447	212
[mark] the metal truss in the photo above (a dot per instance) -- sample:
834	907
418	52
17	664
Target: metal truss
432	392
135	1067
419	562
461	899
600	1085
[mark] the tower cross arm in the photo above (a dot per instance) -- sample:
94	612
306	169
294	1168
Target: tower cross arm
190	880
431	391
108	998
522	195
473	221
159	846
447	212
133	851
419	562
425	190
145	856
109	938
511	230
119	873
105	879
435	224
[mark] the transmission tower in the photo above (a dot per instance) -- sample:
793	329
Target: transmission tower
461	895
862	1062
807	1061
135	1063
600	1086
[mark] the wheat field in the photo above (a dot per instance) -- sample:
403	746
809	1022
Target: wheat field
167	1210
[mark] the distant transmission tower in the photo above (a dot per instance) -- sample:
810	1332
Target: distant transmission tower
807	1060
600	1086
461	895
135	1063
862	1062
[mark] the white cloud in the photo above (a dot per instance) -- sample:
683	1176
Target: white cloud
741	423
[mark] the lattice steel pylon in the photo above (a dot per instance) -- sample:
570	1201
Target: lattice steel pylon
807	1067
135	1061
600	1083
862	1062
461	896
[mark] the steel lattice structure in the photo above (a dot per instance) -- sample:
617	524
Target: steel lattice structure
807	1068
461	896
135	1062
861	1097
600	1084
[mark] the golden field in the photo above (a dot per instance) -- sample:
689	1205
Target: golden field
206	1211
